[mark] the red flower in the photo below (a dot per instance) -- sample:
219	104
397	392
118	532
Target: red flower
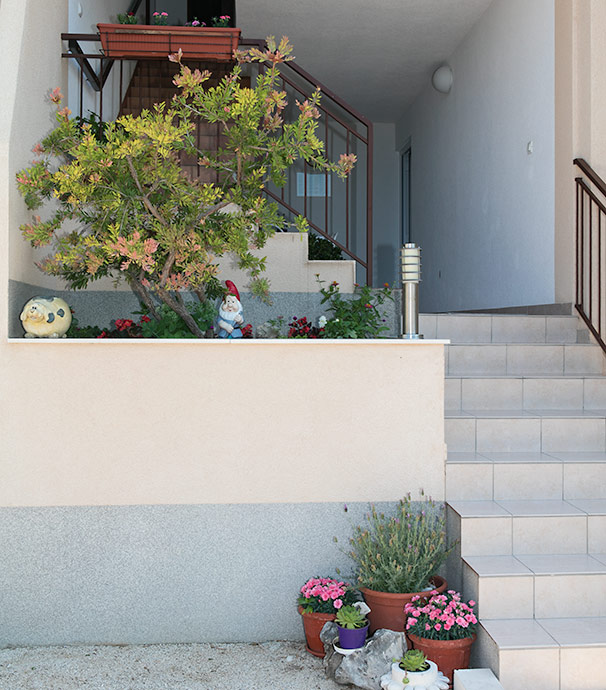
145	319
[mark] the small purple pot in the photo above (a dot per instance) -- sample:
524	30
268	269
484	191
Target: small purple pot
352	638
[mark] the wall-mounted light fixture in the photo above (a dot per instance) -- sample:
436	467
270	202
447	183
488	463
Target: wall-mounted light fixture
442	79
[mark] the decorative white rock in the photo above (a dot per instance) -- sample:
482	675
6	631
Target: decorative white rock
432	679
46	317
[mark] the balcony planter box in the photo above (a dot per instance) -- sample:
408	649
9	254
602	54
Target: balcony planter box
142	41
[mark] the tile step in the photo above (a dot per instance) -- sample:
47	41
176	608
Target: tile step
523	359
539	431
544	654
477	392
520	527
487	328
576	477
536	586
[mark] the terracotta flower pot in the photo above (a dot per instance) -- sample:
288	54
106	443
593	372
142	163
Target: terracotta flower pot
142	41
312	625
447	654
387	609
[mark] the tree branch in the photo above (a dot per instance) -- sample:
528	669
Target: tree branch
173	304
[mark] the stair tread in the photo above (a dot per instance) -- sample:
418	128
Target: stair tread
521	344
591	506
546	507
522	457
528	633
537	564
525	414
507	377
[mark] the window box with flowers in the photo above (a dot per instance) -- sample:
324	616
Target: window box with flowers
158	40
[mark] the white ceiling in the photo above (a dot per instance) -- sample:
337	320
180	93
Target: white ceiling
376	54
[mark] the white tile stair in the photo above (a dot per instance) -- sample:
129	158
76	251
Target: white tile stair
525	426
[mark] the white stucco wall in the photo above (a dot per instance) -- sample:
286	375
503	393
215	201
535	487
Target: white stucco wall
482	206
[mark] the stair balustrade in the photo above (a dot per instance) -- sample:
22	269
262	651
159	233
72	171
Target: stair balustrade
590	249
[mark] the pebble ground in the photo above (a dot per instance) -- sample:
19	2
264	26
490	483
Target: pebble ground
264	666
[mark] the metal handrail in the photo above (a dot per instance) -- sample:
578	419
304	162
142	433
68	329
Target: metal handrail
590	224
98	77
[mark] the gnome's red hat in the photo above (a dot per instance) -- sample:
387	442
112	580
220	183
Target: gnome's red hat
232	289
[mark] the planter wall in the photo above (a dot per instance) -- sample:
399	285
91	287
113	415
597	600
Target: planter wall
158	467
141	41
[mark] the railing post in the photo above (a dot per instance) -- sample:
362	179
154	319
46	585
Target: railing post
410	259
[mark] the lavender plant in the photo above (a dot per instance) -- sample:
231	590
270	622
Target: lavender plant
400	552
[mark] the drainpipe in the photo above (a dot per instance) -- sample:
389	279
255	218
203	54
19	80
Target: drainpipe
410	260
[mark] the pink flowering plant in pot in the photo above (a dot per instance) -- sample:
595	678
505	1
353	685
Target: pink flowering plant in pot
325	595
319	601
443	617
443	628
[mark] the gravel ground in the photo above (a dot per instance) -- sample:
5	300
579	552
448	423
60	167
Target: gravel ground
265	666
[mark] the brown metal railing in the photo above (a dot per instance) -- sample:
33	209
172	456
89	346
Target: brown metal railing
590	246
345	218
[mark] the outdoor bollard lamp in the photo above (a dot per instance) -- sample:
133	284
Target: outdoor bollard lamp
410	260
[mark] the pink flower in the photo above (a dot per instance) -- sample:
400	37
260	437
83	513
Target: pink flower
337	603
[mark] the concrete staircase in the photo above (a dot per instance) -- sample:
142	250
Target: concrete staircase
526	491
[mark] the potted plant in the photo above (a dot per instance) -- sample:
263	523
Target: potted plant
397	558
414	671
319	601
443	628
158	40
353	627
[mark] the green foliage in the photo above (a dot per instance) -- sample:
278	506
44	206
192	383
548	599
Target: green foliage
128	18
356	317
76	331
139	218
350	617
398	553
171	325
414	660
321	249
223	20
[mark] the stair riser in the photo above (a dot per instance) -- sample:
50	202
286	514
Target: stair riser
497	536
524	360
552	668
500	329
524	481
525	393
536	596
468	434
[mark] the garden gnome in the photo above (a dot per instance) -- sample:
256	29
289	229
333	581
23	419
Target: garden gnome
230	313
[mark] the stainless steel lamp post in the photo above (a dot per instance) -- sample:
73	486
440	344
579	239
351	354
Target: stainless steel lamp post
410	260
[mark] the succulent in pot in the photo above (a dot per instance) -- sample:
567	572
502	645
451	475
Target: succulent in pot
414	671
352	625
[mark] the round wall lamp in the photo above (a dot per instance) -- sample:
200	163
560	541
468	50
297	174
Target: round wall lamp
442	79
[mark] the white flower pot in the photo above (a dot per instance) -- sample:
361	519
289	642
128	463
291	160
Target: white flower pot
431	679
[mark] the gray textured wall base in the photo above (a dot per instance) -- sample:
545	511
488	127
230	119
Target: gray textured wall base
150	574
